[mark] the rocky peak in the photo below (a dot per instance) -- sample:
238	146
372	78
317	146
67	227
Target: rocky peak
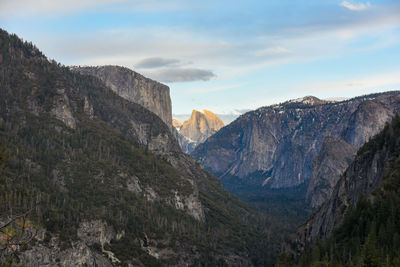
177	124
200	126
134	87
308	100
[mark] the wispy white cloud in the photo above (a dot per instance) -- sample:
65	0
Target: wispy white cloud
272	51
233	58
378	82
11	8
339	89
355	6
171	75
49	8
146	47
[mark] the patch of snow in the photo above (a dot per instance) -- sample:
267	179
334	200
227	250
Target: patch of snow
335	99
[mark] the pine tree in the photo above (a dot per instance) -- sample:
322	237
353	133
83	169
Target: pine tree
370	251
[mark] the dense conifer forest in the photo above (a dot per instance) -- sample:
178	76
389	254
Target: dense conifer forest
54	177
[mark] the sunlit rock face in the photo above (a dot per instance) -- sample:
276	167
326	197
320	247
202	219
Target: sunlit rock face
200	126
177	124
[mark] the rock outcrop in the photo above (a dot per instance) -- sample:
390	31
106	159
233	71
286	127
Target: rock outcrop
362	177
200	126
134	87
277	144
79	254
332	160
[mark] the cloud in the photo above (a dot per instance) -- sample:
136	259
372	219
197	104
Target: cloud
355	6
229	56
157	62
230	59
272	51
48	7
51	8
182	75
127	46
385	81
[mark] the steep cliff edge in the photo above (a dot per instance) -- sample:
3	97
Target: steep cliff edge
275	146
363	175
357	225
332	160
134	87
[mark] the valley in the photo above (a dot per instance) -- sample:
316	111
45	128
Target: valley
98	169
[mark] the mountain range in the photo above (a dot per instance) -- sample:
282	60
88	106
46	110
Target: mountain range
89	177
357	225
93	172
278	146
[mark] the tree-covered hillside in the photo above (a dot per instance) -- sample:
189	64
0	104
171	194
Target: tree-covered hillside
88	178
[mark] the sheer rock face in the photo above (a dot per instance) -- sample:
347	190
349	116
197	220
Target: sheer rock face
362	177
200	126
281	141
134	87
185	143
332	160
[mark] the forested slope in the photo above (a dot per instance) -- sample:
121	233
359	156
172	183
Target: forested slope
89	178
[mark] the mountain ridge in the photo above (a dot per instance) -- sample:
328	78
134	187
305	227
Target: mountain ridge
356	225
101	181
279	142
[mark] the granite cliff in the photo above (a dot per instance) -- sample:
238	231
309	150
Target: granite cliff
332	160
275	146
359	216
134	87
200	126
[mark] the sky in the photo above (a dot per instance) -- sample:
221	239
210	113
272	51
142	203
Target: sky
224	56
